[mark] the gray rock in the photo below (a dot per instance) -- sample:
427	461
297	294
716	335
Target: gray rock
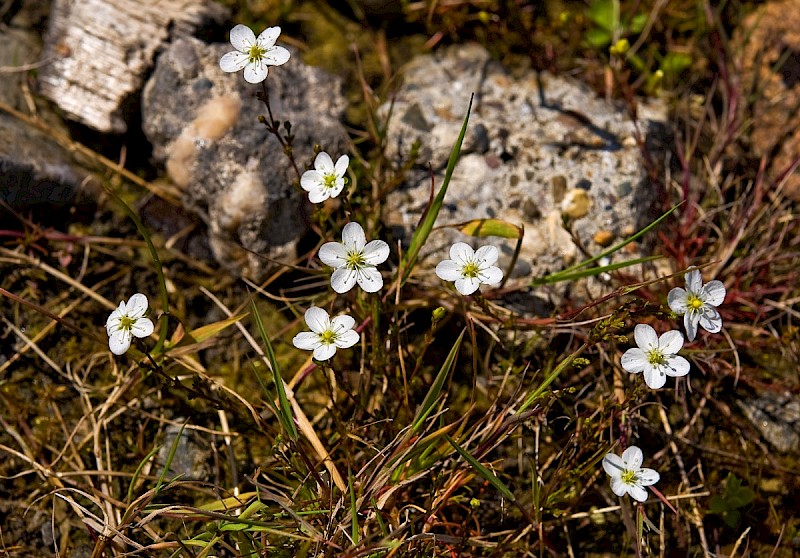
777	417
35	171
192	457
203	124
536	148
98	52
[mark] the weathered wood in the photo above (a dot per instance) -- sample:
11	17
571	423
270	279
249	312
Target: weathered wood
98	52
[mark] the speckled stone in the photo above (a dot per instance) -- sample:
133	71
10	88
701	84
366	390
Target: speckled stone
531	143
203	124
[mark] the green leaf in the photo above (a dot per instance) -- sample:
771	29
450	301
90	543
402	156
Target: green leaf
424	230
284	408
483	471
602	14
674	63
490	227
436	388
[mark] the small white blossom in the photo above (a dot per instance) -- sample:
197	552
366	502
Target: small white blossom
354	260
326	335
655	356
126	322
254	55
470	268
628	475
326	180
697	303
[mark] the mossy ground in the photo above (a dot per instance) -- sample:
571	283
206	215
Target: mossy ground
81	428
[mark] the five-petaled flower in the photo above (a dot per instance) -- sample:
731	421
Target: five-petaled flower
252	54
628	475
655	356
470	268
354	260
326	335
697	303
126	322
326	180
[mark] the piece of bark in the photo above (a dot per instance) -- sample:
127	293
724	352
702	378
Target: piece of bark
98	52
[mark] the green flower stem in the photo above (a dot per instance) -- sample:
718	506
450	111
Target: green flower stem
162	336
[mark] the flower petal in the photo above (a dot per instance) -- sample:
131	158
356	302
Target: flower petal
120	341
677	366
613	464
343	279
461	253
233	61
137	306
277	56
336	189
655	376
268	37
710	320
618	487
341	165
347	339
256	72
648	477
645	336
634	360
491	275
677	300
317	319
306	340
318	195
342	323
333	254
375	252
690	323
670	342
486	255
467	285
370	279
694	281
142	327
715	293
448	270
325	351
310	180
323	163
632	457
353	236
637	492
242	37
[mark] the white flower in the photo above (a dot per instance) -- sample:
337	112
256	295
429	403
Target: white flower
126	321
628	475
354	260
469	268
326	335
697	303
254	55
655	356
327	180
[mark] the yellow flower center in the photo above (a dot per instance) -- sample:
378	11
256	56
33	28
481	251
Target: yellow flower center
656	358
694	302
628	477
126	323
255	54
328	336
355	260
470	270
329	181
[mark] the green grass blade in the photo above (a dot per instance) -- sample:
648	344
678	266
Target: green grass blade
353	508
170	456
533	396
424	230
569	273
483	471
285	409
436	388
